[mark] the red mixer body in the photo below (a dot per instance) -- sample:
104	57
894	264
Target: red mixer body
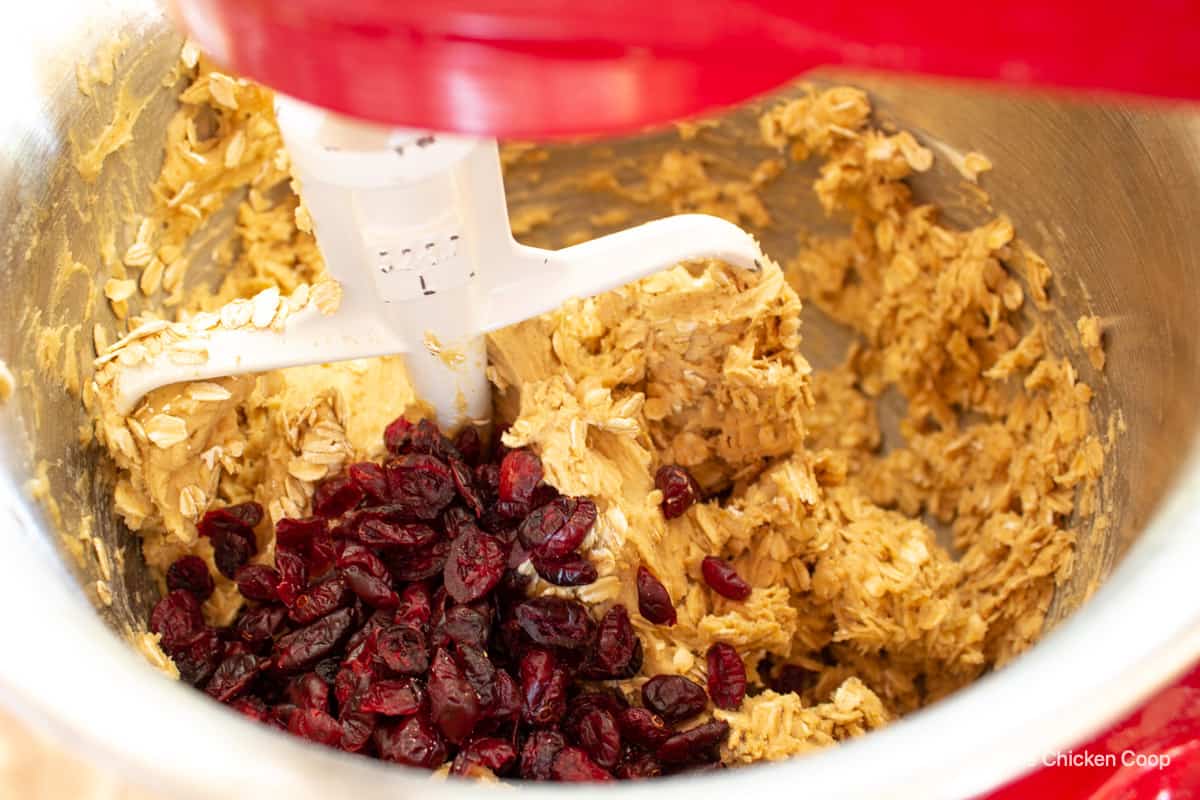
547	68
539	68
1152	754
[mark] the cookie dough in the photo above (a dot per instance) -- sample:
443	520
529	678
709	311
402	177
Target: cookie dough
702	366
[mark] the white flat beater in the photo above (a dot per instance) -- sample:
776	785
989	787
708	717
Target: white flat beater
414	227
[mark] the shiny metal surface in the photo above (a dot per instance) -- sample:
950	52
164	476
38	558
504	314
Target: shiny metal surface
1105	194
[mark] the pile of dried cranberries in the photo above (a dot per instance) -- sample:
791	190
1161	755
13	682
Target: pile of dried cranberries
395	623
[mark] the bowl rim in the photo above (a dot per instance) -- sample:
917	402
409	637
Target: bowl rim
1140	630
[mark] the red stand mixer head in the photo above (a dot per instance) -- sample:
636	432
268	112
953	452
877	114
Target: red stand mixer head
540	68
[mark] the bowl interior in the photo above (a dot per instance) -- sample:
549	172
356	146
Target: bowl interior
1103	193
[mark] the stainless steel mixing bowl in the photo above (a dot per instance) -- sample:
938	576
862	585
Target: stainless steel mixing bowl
1105	193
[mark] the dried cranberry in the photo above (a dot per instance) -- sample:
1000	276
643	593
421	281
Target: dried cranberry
439	604
355	555
310	539
343	528
414	742
415	606
695	744
352	681
506	702
674	697
293	574
402	649
321	553
375	592
233	676
197	661
177	620
317	601
392	698
422	484
679	489
653	601
598	736
362	644
557	528
397	436
512	589
488	752
456	521
297	534
474	566
726	676
335	496
468	443
514	510
479	671
573	570
281	714
499	448
465	484
427	439
308	691
643	766
497	520
572	765
538	754
302	648
240	517
235	647
643	727
259	625
383	533
616	646
487	481
555	622
327	670
544	522
361	647
419	564
517	556
453	704
611	701
463	625
357	727
543	687
520	473
723	578
191	574
543	494
231	549
371	480
251	707
258	582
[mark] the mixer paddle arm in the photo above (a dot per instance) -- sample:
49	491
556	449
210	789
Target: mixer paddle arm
414	227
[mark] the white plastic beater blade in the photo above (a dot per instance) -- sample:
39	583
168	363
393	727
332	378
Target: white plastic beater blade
596	266
306	338
415	228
